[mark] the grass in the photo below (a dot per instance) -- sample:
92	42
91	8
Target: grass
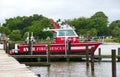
109	40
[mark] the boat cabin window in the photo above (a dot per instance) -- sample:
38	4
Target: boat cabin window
66	33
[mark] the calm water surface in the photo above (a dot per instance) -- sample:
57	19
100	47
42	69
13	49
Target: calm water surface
76	69
79	69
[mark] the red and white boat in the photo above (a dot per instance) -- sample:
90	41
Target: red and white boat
62	35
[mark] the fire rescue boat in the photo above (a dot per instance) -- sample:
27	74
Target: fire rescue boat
65	38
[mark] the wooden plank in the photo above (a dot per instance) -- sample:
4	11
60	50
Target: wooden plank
10	67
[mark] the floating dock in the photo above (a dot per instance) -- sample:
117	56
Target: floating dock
10	67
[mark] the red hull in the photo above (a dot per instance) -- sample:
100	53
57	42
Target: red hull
58	48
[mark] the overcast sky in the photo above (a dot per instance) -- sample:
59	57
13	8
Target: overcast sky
63	9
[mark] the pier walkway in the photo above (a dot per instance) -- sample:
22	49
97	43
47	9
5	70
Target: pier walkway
10	67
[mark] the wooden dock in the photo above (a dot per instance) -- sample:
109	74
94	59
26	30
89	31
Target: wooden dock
10	67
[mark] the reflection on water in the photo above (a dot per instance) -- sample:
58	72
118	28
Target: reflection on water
79	69
76	69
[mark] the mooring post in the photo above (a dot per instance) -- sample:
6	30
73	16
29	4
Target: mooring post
7	47
92	59
32	40
4	45
113	63
87	56
118	54
69	47
99	54
31	52
29	45
48	53
68	50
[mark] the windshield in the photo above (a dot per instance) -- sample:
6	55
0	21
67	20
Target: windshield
66	33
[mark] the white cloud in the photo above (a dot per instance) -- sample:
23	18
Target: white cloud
64	9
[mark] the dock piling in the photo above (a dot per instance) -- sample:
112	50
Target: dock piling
48	54
6	46
99	53
29	45
87	56
68	50
113	63
92	59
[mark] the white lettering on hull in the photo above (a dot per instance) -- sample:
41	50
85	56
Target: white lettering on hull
57	48
25	49
61	48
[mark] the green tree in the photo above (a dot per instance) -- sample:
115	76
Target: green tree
93	32
99	21
114	28
15	35
14	23
38	26
81	24
4	30
34	23
116	32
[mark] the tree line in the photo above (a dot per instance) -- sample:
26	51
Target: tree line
97	25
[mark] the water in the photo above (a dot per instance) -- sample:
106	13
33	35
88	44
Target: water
76	69
79	69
